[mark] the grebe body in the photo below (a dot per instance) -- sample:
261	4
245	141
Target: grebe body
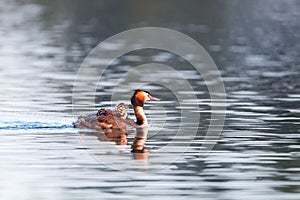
118	118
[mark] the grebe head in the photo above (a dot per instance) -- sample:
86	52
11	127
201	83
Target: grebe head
140	97
102	112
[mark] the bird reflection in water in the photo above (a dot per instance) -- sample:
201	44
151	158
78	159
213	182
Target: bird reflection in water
138	147
119	136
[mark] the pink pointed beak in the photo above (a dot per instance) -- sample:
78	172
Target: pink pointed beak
153	98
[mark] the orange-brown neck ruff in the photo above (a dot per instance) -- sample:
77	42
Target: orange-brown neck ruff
138	98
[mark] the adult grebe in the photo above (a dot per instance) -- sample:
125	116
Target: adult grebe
117	118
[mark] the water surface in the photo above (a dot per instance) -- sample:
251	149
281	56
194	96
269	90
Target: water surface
255	45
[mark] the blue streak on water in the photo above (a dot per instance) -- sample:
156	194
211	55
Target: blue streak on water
23	125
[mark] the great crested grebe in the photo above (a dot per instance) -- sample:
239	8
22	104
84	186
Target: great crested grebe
117	118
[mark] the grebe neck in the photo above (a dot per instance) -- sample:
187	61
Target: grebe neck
141	119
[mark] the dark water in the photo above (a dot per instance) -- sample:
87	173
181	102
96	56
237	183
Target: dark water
255	45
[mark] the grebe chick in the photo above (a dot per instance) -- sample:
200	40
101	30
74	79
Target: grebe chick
119	111
117	119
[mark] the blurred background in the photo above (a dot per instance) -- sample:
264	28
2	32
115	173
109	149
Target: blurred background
255	45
